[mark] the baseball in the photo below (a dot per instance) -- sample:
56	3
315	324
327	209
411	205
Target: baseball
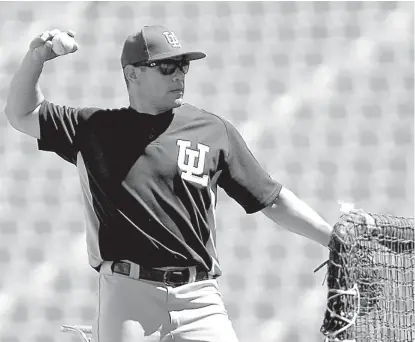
63	44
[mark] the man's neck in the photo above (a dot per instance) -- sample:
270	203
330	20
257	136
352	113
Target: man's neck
142	108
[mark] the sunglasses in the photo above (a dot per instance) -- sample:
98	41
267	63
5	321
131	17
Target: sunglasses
168	66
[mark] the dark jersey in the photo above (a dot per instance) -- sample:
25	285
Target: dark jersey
149	182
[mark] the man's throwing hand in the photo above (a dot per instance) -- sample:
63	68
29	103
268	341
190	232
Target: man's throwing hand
43	47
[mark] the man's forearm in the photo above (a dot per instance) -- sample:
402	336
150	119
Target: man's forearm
293	214
25	93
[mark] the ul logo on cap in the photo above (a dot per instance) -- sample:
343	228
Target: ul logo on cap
172	39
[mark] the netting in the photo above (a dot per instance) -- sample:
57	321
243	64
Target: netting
371	279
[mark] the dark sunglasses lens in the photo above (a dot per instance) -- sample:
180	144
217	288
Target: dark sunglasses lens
185	67
167	68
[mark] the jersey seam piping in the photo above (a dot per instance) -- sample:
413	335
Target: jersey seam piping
226	129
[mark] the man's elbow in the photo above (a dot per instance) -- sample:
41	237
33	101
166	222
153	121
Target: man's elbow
12	118
9	115
15	120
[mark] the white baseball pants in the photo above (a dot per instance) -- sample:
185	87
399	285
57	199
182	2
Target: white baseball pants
131	310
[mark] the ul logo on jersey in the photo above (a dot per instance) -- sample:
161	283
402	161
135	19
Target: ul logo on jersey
172	39
192	171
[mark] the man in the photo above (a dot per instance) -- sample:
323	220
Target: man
149	176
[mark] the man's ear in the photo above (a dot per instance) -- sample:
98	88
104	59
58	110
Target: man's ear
130	73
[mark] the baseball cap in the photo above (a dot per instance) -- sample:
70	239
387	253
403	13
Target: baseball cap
154	43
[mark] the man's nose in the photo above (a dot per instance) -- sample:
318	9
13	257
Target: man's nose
178	74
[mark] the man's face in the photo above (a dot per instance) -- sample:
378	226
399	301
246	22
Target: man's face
162	91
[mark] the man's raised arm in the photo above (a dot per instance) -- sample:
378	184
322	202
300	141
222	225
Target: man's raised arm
25	94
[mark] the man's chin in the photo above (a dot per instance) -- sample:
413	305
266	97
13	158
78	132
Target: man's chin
178	102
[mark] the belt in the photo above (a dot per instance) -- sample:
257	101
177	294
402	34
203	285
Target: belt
174	278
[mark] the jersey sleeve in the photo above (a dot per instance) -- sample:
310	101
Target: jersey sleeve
243	178
59	127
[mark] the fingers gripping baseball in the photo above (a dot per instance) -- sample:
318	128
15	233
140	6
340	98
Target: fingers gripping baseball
54	43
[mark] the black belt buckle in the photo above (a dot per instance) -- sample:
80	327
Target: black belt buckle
120	267
176	278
